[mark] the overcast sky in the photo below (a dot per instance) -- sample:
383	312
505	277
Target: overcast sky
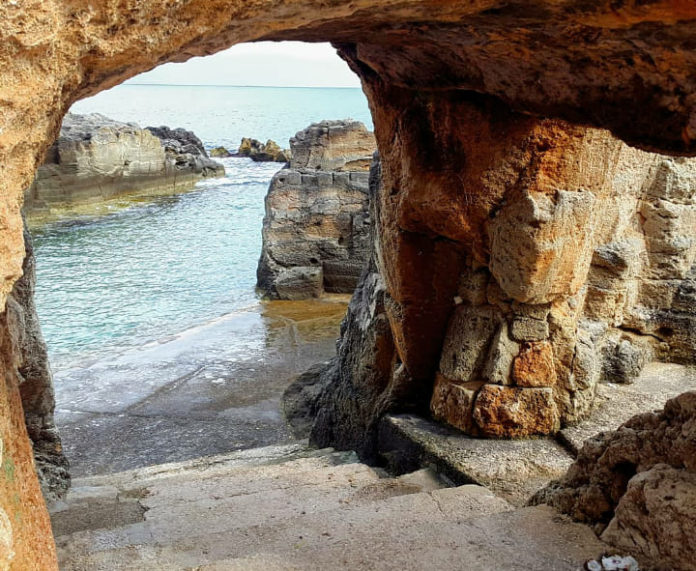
287	64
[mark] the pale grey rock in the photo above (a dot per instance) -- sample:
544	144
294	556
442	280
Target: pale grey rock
529	329
97	158
469	335
624	359
333	146
502	353
316	232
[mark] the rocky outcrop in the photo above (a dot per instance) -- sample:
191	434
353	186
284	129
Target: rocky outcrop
220	153
185	152
506	322
341	402
35	381
97	158
316	231
270	152
637	486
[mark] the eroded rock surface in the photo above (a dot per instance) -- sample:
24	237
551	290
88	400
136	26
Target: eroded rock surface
638	485
316	231
35	381
97	158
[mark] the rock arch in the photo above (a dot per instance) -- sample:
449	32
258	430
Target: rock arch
456	90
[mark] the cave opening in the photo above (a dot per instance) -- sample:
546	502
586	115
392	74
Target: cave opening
147	253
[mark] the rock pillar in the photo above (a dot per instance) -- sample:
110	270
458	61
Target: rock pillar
518	257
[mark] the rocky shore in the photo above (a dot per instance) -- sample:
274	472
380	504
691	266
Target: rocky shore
96	158
316	233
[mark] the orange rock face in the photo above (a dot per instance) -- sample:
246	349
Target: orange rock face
25	529
453	402
534	367
507	412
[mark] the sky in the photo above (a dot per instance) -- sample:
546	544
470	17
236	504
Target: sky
285	64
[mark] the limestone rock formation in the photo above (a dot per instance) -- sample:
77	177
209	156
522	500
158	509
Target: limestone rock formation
342	146
97	158
637	485
270	152
316	231
35	381
517	299
185	152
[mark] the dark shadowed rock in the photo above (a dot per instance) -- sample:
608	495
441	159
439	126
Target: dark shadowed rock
186	151
36	381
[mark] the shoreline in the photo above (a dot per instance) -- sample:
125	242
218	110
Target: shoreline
212	388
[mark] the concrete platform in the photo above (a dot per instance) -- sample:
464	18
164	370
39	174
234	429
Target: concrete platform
515	469
616	403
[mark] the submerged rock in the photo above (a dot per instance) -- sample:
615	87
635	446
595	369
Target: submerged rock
220	152
96	158
316	233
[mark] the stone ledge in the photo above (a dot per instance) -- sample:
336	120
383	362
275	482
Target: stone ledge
512	469
617	403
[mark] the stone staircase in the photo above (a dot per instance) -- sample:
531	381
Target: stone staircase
290	507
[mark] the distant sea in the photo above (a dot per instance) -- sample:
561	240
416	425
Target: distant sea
223	115
159	267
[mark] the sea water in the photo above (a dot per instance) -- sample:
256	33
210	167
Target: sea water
159	267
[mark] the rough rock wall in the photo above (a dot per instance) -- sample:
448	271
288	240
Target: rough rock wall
523	261
25	529
316	231
339	404
97	158
637	486
36	381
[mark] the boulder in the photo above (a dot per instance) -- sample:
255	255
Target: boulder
260	152
220	153
316	232
637	485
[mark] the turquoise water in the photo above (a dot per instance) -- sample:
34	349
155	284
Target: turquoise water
157	268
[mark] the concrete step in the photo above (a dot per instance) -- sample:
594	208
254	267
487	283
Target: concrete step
456	528
302	509
241	460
